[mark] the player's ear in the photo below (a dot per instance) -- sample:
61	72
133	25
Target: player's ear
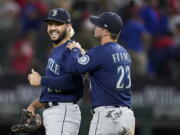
105	32
69	26
70	30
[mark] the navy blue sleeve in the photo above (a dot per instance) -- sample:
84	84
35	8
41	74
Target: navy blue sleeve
78	64
64	82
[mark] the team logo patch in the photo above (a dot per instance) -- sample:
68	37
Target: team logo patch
83	60
54	12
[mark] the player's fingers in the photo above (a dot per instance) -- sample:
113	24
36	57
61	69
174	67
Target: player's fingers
83	51
70	46
74	44
34	72
30	76
67	46
70	43
31	110
77	45
30	82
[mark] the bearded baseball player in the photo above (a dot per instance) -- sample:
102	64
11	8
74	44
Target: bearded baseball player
61	90
109	70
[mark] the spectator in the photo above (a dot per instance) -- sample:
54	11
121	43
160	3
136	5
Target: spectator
9	12
150	15
174	6
21	54
176	34
32	14
162	55
21	3
176	64
132	37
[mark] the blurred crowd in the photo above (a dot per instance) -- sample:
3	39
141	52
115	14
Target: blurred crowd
151	33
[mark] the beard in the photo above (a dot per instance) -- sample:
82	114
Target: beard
60	38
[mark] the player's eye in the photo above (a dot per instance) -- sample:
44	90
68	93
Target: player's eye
50	23
58	23
55	23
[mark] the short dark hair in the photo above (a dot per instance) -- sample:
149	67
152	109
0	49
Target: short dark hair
114	36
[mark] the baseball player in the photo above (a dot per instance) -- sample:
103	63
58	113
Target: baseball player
61	90
109	70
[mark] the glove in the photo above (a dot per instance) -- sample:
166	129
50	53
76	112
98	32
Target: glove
28	123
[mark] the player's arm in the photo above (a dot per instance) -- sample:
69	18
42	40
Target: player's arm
59	82
80	64
35	79
36	104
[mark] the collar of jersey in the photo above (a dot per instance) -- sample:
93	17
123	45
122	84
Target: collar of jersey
109	43
63	45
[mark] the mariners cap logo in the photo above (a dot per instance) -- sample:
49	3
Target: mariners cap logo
54	12
83	60
105	25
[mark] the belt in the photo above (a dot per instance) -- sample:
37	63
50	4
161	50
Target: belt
104	107
51	104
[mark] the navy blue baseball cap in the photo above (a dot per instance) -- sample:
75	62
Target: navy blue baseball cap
60	15
108	20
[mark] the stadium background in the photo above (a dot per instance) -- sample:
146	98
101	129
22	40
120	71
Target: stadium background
151	26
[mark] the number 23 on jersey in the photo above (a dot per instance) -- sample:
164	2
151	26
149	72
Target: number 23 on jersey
124	77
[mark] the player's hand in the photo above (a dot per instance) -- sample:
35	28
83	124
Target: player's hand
74	45
34	78
83	52
31	109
